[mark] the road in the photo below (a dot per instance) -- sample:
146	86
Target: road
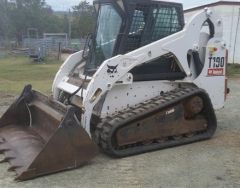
211	163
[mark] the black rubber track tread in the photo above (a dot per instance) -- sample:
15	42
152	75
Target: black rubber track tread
108	126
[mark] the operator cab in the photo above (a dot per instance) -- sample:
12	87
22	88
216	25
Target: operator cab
126	25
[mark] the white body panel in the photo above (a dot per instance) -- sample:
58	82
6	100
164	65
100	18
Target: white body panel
70	63
125	96
214	85
120	96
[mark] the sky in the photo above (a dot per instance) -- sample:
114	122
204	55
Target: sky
66	4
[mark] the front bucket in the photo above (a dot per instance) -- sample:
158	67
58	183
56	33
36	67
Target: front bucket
39	136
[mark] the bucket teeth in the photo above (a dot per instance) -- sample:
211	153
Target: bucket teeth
9	158
10	154
13	168
4	160
2	151
16	162
2	140
3	148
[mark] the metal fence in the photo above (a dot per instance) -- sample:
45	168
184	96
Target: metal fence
3	43
51	46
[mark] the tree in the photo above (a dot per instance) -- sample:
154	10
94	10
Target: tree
2	18
84	19
5	27
16	18
25	14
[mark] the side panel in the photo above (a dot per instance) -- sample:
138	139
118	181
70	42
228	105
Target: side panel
71	62
125	96
212	78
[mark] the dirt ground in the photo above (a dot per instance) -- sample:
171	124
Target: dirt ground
212	163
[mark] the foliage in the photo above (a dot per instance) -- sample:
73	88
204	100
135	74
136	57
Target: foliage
16	18
24	14
83	19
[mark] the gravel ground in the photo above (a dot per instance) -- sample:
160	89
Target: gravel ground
212	163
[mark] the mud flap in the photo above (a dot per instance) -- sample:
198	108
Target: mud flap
39	136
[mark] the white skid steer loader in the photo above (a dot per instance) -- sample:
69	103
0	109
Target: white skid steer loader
144	81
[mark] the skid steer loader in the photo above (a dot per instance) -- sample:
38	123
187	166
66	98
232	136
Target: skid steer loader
144	81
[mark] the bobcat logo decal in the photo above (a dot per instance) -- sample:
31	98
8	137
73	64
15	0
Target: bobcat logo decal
112	70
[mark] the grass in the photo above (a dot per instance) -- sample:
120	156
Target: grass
233	69
17	71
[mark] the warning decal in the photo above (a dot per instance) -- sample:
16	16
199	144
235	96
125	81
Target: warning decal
216	72
216	66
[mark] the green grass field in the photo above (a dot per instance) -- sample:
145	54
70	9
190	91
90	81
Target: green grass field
17	71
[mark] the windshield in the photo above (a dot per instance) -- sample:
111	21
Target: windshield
108	27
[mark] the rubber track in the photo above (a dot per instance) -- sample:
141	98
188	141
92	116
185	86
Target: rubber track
106	130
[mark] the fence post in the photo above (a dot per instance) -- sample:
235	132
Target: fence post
236	36
59	51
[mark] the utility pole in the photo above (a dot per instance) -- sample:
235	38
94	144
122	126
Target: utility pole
5	19
70	25
231	33
236	36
